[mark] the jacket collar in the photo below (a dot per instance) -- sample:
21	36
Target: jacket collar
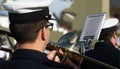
29	54
104	43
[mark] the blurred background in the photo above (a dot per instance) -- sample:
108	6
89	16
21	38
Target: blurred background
70	14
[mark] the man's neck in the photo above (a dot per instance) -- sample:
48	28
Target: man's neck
32	46
113	42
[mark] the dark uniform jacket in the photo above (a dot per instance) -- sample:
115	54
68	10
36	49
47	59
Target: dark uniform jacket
104	52
31	59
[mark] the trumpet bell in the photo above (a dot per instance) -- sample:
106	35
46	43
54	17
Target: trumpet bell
70	41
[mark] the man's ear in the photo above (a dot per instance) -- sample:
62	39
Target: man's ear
43	33
115	35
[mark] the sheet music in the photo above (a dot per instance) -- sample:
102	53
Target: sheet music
92	26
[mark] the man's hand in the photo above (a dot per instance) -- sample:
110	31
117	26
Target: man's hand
53	57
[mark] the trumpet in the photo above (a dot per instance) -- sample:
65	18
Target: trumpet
75	57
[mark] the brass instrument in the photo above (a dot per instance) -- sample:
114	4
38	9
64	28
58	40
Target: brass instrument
69	45
75	57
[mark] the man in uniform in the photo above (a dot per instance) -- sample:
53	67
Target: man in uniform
29	25
105	50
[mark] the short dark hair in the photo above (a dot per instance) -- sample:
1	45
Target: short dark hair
106	34
26	32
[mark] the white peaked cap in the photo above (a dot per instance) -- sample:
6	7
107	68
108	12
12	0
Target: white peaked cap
22	6
28	11
110	23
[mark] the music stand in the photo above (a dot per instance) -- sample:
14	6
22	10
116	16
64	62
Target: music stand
92	26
